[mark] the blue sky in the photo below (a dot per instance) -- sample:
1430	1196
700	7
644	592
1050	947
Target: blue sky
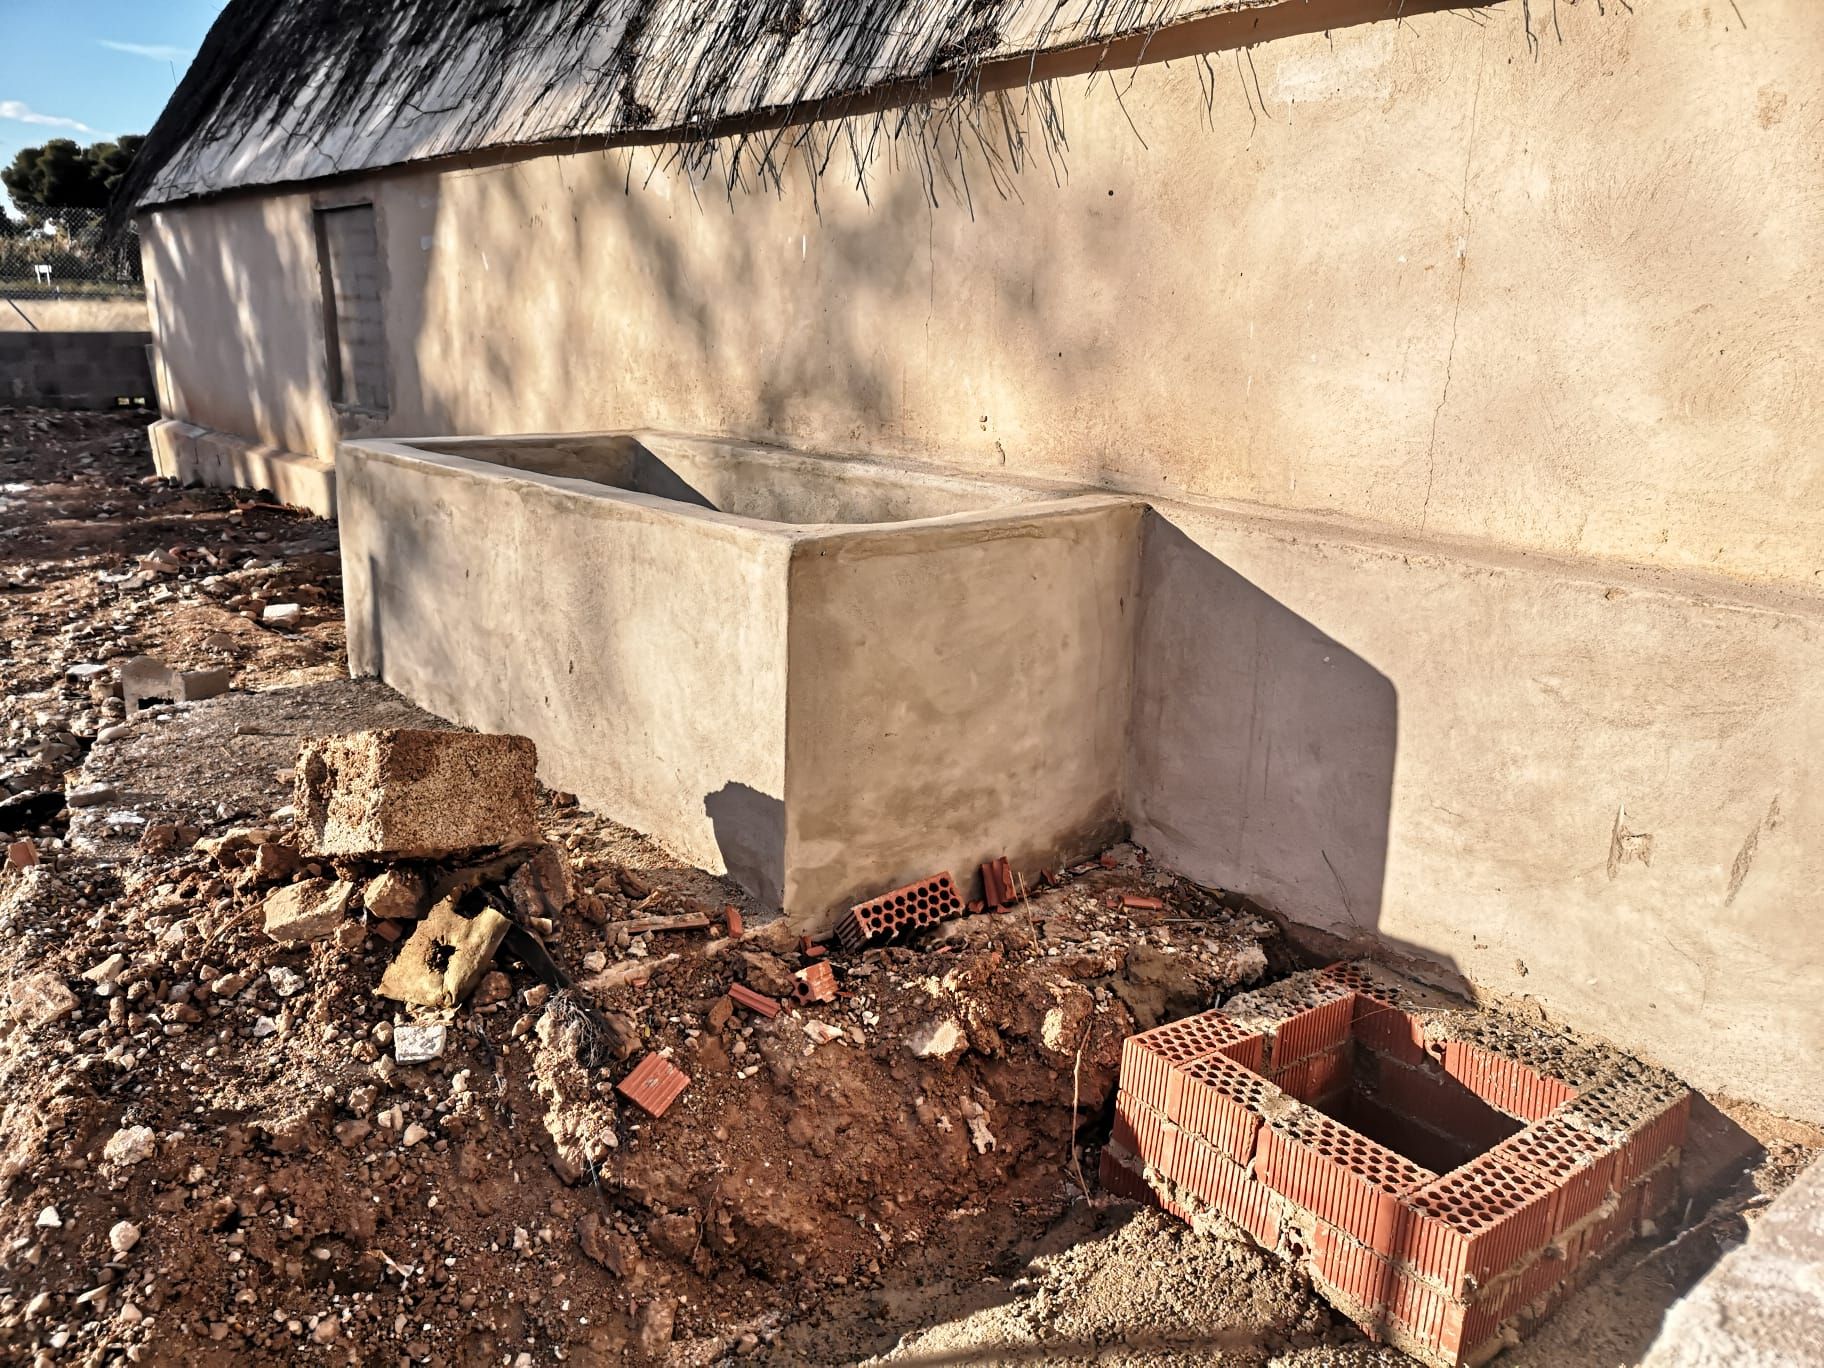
106	65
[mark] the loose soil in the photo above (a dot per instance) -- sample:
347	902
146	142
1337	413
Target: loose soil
209	1154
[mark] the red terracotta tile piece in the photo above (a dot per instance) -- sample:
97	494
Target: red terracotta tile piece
1136	902
816	983
811	949
917	905
754	1002
998	888
736	926
654	1084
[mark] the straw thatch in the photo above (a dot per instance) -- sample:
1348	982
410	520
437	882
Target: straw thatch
293	90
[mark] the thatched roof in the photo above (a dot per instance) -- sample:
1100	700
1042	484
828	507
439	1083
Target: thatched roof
294	90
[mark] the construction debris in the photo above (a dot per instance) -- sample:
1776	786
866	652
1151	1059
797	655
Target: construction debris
403	794
445	956
654	1084
914	907
743	996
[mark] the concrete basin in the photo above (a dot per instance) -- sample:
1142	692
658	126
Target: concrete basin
822	676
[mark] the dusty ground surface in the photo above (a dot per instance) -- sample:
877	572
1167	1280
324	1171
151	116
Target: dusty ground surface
209	1154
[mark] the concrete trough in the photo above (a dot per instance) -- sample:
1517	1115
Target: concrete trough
823	676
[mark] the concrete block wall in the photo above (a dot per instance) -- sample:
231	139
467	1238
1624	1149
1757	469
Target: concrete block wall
75	370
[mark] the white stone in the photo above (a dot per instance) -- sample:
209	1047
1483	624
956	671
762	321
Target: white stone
281	614
414	1134
48	1219
938	1039
130	1145
286	981
417	1044
263	1027
89	795
123	1236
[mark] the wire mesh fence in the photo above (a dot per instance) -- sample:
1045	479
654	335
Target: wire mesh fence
67	253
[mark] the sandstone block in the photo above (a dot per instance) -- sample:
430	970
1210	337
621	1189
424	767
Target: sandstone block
307	911
445	956
414	794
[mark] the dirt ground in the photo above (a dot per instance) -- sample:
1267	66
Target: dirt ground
209	1153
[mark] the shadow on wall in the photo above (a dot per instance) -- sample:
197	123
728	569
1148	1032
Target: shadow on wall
1262	753
750	833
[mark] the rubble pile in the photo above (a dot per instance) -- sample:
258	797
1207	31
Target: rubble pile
409	1070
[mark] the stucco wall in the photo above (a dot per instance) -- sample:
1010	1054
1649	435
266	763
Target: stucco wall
1516	355
1437	284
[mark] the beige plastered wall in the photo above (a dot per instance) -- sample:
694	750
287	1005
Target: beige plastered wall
1516	351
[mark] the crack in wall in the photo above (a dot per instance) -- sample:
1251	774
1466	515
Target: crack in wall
1450	352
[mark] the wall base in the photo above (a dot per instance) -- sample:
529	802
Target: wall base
198	455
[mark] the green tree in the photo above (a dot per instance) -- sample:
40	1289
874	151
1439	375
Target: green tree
63	175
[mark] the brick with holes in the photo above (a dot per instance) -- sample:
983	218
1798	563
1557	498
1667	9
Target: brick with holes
911	908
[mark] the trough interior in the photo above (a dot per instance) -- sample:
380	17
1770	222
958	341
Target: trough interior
1412	1106
762	483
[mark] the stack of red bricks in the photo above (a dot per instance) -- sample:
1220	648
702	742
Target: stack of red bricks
1449	1176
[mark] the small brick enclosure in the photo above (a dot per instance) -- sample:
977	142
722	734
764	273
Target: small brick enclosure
1448	1175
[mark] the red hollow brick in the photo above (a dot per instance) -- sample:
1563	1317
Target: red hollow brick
1217	1099
1318	1077
1579	1168
1429	1095
1147	1058
1657	1191
1210	1176
1314	1031
911	908
654	1084
816	983
1607	1233
1504	1083
754	1002
1142	1134
1338	1175
1117	1178
1474	1223
1347	1266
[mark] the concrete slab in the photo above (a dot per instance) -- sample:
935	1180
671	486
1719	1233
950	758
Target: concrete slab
1764	1303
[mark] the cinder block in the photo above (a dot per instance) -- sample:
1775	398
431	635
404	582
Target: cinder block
416	794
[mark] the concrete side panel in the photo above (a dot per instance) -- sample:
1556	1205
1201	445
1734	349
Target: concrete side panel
643	651
959	691
1598	789
197	455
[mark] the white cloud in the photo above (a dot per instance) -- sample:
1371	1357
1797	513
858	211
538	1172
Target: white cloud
20	112
157	52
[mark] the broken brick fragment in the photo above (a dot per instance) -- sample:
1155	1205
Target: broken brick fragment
754	1002
21	854
735	926
998	889
811	949
1135	902
654	1084
816	983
